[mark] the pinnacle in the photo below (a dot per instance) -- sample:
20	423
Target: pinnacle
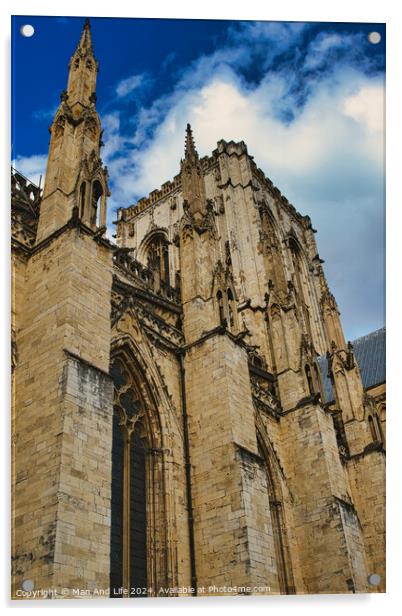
86	39
190	150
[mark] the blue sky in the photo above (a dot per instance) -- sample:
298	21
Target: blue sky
307	98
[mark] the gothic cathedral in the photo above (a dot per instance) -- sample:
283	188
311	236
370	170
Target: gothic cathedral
186	411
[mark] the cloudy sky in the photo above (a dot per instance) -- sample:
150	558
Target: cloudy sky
307	98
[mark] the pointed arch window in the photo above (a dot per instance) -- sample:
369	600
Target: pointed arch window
375	430
271	247
137	503
97	195
317	379
372	428
310	382
128	560
301	280
221	308
82	199
158	257
231	307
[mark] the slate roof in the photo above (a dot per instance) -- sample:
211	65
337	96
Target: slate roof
370	355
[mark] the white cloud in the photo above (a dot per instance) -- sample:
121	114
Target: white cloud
333	47
113	140
341	118
328	160
45	113
33	167
367	106
126	86
320	48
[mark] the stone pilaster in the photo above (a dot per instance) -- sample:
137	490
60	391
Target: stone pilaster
327	525
232	523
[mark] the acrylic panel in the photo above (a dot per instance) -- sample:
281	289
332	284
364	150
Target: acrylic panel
198	333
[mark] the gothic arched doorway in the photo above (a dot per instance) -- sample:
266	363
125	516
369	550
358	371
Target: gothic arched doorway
137	551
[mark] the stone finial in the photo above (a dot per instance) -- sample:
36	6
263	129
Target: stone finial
85	42
323	281
350	357
189	148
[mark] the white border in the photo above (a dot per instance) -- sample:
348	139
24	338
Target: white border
387	11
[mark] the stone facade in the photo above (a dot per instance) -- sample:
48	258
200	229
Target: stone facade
171	433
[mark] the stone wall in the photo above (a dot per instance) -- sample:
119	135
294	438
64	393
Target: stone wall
329	503
329	536
233	534
62	415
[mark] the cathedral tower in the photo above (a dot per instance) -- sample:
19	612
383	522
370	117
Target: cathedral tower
187	412
198	245
223	443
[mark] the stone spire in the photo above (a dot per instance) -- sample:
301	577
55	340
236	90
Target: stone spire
86	38
83	69
75	176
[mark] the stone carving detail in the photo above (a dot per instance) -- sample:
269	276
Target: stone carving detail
127	324
218	405
327	302
124	261
127	401
264	399
26	198
220	204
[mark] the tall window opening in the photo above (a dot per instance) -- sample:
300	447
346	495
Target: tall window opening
301	280
317	379
372	428
375	430
309	378
271	249
138	511
116	532
129	537
158	257
82	199
231	307
221	308
97	192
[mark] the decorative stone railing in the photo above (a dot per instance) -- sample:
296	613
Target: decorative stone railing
148	277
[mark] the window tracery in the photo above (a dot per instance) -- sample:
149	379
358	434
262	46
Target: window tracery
158	257
130	470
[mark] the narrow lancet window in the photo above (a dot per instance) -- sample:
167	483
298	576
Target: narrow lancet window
219	299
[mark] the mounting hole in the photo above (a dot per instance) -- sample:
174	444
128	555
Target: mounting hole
27	585
374	38
374	579
27	30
